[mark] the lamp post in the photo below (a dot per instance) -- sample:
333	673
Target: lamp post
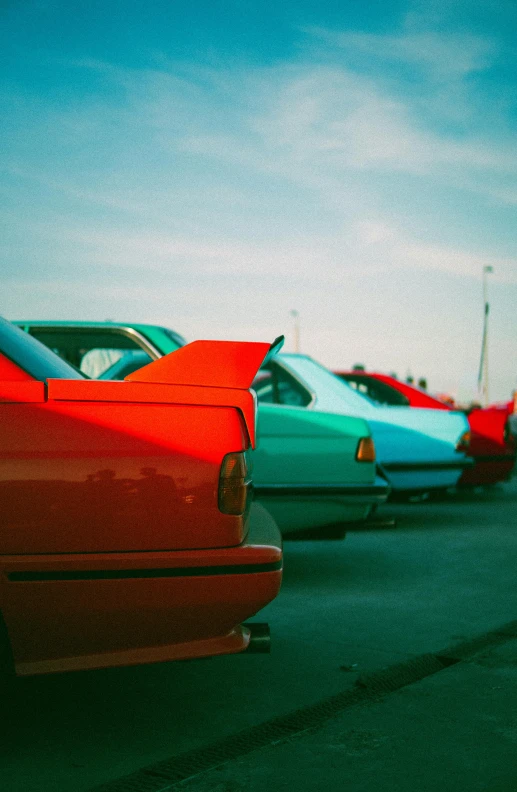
483	363
296	317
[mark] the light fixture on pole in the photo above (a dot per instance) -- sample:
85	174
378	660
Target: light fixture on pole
483	363
296	317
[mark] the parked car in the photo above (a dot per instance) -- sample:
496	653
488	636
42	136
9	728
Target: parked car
417	451
93	347
492	444
127	532
314	470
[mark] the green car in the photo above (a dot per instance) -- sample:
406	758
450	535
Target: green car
314	471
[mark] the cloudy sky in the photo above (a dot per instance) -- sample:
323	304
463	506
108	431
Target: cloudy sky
212	165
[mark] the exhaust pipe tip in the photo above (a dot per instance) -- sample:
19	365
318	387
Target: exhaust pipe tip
260	637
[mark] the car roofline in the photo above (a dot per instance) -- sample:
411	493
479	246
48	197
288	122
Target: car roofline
126	330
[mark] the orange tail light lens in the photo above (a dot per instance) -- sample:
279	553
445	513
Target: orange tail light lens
463	443
234	484
365	450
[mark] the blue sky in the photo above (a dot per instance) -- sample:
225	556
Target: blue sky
213	165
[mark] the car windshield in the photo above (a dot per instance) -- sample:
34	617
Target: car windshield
32	356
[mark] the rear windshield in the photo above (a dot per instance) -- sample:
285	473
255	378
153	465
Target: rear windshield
376	390
32	356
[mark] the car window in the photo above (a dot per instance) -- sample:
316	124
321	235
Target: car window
379	392
98	360
129	362
264	387
90	350
176	337
31	356
274	385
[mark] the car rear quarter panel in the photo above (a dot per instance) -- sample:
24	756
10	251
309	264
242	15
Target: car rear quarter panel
95	477
495	458
302	447
488	430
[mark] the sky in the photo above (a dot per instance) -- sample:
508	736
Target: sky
214	165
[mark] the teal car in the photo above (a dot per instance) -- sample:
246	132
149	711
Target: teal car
314	470
418	451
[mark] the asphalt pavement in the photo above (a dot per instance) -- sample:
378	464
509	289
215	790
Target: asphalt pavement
454	730
382	599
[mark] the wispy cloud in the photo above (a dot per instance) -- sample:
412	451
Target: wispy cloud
317	126
444	56
402	252
334	118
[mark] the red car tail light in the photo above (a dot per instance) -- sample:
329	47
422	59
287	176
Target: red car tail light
235	485
463	443
365	450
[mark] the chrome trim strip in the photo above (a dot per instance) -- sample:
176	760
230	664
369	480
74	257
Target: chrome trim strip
129	332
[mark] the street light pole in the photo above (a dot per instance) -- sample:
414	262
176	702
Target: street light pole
483	363
296	317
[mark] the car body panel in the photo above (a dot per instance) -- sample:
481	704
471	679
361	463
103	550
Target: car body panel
113	549
416	451
299	453
103	468
491	445
305	471
68	612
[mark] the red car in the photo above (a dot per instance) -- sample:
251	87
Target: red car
492	444
127	532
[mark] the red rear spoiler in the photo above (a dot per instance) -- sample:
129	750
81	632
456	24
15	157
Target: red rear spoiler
216	364
217	373
225	365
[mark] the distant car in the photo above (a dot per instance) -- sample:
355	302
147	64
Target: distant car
127	531
314	471
492	445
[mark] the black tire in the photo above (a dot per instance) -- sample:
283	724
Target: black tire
7	674
333	532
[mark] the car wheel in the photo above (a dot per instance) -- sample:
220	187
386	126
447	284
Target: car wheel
326	532
7	674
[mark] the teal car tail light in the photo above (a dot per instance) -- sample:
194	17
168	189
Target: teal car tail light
365	450
235	485
463	443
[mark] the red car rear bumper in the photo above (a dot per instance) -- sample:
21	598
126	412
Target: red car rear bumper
488	469
78	611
